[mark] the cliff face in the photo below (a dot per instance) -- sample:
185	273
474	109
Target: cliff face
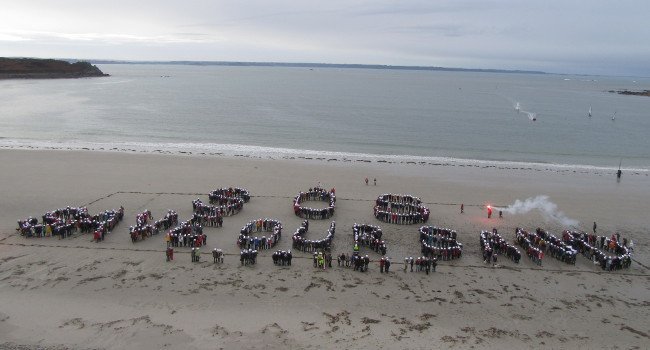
32	68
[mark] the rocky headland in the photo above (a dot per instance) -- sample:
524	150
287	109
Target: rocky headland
35	68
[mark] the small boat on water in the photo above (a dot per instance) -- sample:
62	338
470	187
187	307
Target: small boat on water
614	116
589	113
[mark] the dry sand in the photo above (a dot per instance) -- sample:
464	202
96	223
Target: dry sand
77	294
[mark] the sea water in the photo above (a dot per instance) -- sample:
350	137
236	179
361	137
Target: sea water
330	113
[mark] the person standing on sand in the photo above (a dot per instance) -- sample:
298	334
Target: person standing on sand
375	180
594	227
366	181
462	208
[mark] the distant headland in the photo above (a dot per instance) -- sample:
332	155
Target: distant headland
36	68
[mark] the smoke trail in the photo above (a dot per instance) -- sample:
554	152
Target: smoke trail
531	115
548	209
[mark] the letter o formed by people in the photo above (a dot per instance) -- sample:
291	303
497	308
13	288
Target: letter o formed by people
315	194
400	209
232	199
223	202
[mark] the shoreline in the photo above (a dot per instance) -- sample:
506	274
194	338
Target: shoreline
256	152
79	294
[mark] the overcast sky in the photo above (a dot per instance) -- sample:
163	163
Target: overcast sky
566	36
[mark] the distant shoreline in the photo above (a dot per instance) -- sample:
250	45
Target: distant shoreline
199	150
317	65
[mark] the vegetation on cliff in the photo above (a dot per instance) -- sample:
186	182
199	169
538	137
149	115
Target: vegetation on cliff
34	68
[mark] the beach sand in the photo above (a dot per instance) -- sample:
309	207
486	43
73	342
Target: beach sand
77	294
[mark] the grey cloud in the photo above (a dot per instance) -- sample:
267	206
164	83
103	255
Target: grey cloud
559	36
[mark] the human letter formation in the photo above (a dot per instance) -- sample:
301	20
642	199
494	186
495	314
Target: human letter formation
531	243
208	215
64	222
492	244
556	247
187	234
369	236
400	209
440	243
613	256
307	245
315	194
229	195
143	229
229	201
246	240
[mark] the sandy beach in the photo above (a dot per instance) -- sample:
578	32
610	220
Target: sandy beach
78	294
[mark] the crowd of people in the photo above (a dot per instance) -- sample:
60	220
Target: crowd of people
282	257
217	255
440	243
359	263
248	257
246	240
186	234
309	245
492	245
143	229
609	253
532	244
422	263
66	221
356	261
400	209
369	236
315	194
208	215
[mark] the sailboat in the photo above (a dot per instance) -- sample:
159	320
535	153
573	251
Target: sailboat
614	116
589	113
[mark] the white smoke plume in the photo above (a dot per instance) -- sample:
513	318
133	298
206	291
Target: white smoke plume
548	209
